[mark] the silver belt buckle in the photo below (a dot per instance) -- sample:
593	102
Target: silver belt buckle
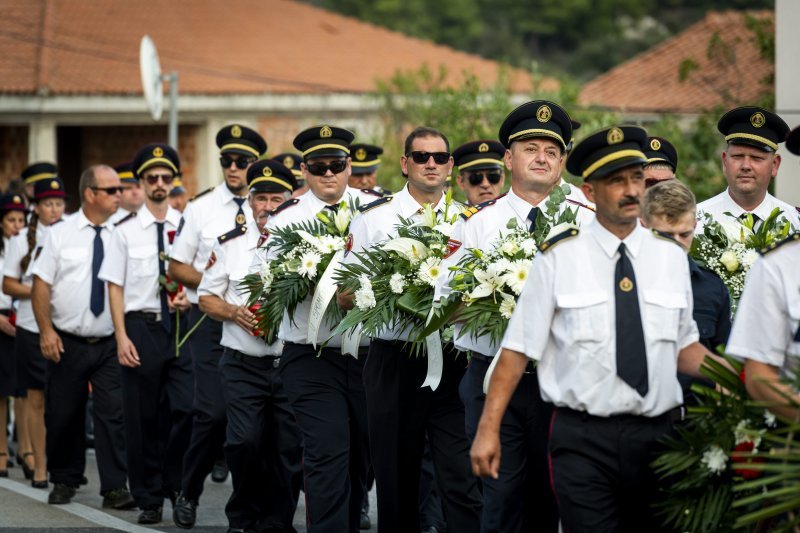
276	362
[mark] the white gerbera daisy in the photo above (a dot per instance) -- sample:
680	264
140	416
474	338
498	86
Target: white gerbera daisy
517	275
308	264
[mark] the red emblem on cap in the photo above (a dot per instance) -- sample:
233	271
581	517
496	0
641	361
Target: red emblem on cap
452	246
211	260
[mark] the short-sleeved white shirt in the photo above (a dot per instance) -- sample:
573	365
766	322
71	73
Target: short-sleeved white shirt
718	205
565	319
5	299
16	250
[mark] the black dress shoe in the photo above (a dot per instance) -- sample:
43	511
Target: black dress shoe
119	499
84	480
60	494
220	471
364	523
184	513
150	516
43	484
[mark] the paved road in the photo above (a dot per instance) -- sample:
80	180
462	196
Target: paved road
24	509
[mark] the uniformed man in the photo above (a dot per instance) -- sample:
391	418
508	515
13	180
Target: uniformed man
534	145
144	309
480	170
393	376
324	387
76	337
178	195
208	215
366	160
263	445
662	161
749	163
766	331
37	172
132	193
292	162
607	314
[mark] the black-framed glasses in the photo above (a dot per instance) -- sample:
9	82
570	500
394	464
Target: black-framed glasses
152	179
320	169
241	162
111	191
420	158
476	178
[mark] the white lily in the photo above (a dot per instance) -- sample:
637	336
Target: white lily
735	231
313	240
488	282
411	249
341	220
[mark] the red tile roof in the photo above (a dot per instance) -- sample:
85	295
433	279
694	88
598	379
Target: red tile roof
650	81
218	47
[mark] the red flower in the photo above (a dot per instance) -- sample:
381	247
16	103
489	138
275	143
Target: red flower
172	287
12	318
171	236
746	473
742	376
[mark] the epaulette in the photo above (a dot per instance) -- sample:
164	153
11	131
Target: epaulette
665	236
555	239
377	203
775	245
238	231
203	193
581	204
373	192
471	210
126	218
288	203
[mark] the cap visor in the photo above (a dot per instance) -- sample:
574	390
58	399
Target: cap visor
610	168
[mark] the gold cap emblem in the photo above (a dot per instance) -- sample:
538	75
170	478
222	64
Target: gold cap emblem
544	113
361	154
267	171
625	284
54	184
288	161
655	144
757	119
158	151
325	131
236	131
17	200
483	147
615	136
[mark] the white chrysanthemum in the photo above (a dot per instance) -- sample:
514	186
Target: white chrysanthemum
429	271
729	260
509	247
397	283
327	244
308	264
769	419
714	459
364	297
743	433
499	267
528	246
265	272
517	275
748	258
507	305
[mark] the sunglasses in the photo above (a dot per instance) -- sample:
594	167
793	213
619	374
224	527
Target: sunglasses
476	178
320	169
111	191
241	162
420	158
152	179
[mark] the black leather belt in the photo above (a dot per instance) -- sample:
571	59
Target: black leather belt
530	367
266	360
83	340
148	317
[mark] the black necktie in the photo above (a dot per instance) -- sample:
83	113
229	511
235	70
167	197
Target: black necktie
334	207
240	213
97	299
534	212
162	271
631	351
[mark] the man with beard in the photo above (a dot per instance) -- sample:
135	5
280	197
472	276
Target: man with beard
208	215
144	308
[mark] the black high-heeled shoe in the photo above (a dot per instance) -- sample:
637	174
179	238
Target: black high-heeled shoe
28	471
39	484
4	463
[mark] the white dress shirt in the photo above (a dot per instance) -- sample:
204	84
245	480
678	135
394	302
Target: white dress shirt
768	315
718	205
565	319
223	279
66	265
17	249
5	299
304	210
481	231
204	219
131	259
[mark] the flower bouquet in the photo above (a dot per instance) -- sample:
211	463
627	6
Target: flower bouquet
305	253
729	247
393	282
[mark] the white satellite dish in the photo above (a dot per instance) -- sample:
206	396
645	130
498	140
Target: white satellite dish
152	83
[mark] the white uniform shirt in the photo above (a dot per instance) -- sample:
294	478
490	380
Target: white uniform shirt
17	249
377	225
223	279
131	259
305	209
66	265
718	205
5	299
768	315
205	219
565	318
481	231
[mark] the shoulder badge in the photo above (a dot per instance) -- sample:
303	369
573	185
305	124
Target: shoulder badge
794	237
555	239
128	217
665	236
198	195
288	203
377	203
373	192
238	231
581	204
211	260
471	210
